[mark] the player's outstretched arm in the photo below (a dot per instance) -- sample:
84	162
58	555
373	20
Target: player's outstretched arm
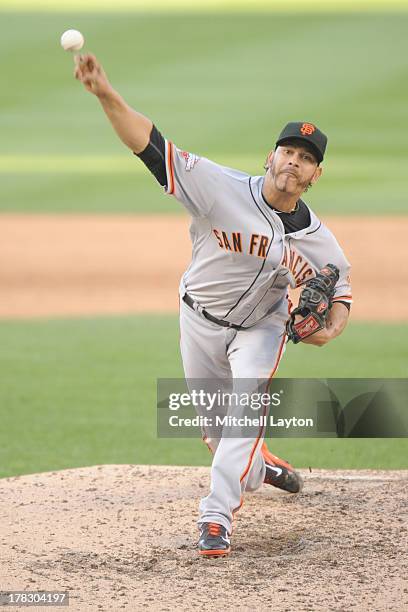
335	324
132	127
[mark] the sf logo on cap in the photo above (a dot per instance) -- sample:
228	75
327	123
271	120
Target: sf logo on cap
307	129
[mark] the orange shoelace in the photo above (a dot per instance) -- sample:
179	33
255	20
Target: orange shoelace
214	529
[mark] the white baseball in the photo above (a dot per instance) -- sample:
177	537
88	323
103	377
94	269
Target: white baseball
72	40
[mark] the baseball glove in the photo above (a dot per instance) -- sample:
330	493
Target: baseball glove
314	304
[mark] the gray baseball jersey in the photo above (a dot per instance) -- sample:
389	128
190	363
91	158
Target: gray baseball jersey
244	258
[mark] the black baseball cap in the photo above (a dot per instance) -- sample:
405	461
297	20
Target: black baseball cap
308	132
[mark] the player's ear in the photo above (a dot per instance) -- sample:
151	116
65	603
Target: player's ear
268	160
317	175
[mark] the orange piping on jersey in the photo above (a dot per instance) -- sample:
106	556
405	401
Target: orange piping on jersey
241	501
248	467
170	167
342	297
275	367
253	450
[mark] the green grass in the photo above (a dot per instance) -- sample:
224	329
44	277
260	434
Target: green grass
205	5
221	85
83	392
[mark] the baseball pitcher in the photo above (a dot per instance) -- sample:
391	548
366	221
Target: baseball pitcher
253	237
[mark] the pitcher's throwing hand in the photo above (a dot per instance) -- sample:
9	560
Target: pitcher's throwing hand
91	74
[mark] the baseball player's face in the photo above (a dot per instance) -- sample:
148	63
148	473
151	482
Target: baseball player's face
292	169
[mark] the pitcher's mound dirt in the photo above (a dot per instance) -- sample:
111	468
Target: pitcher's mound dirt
124	537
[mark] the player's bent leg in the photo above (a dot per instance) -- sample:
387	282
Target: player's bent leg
257	353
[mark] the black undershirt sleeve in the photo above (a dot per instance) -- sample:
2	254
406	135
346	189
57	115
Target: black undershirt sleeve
153	156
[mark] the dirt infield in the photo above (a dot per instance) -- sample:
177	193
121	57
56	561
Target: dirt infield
124	537
67	265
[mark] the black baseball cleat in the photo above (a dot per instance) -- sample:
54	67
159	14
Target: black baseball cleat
280	473
214	540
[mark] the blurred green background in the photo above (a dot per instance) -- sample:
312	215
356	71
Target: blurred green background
222	84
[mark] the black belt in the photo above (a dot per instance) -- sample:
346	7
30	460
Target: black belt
195	306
